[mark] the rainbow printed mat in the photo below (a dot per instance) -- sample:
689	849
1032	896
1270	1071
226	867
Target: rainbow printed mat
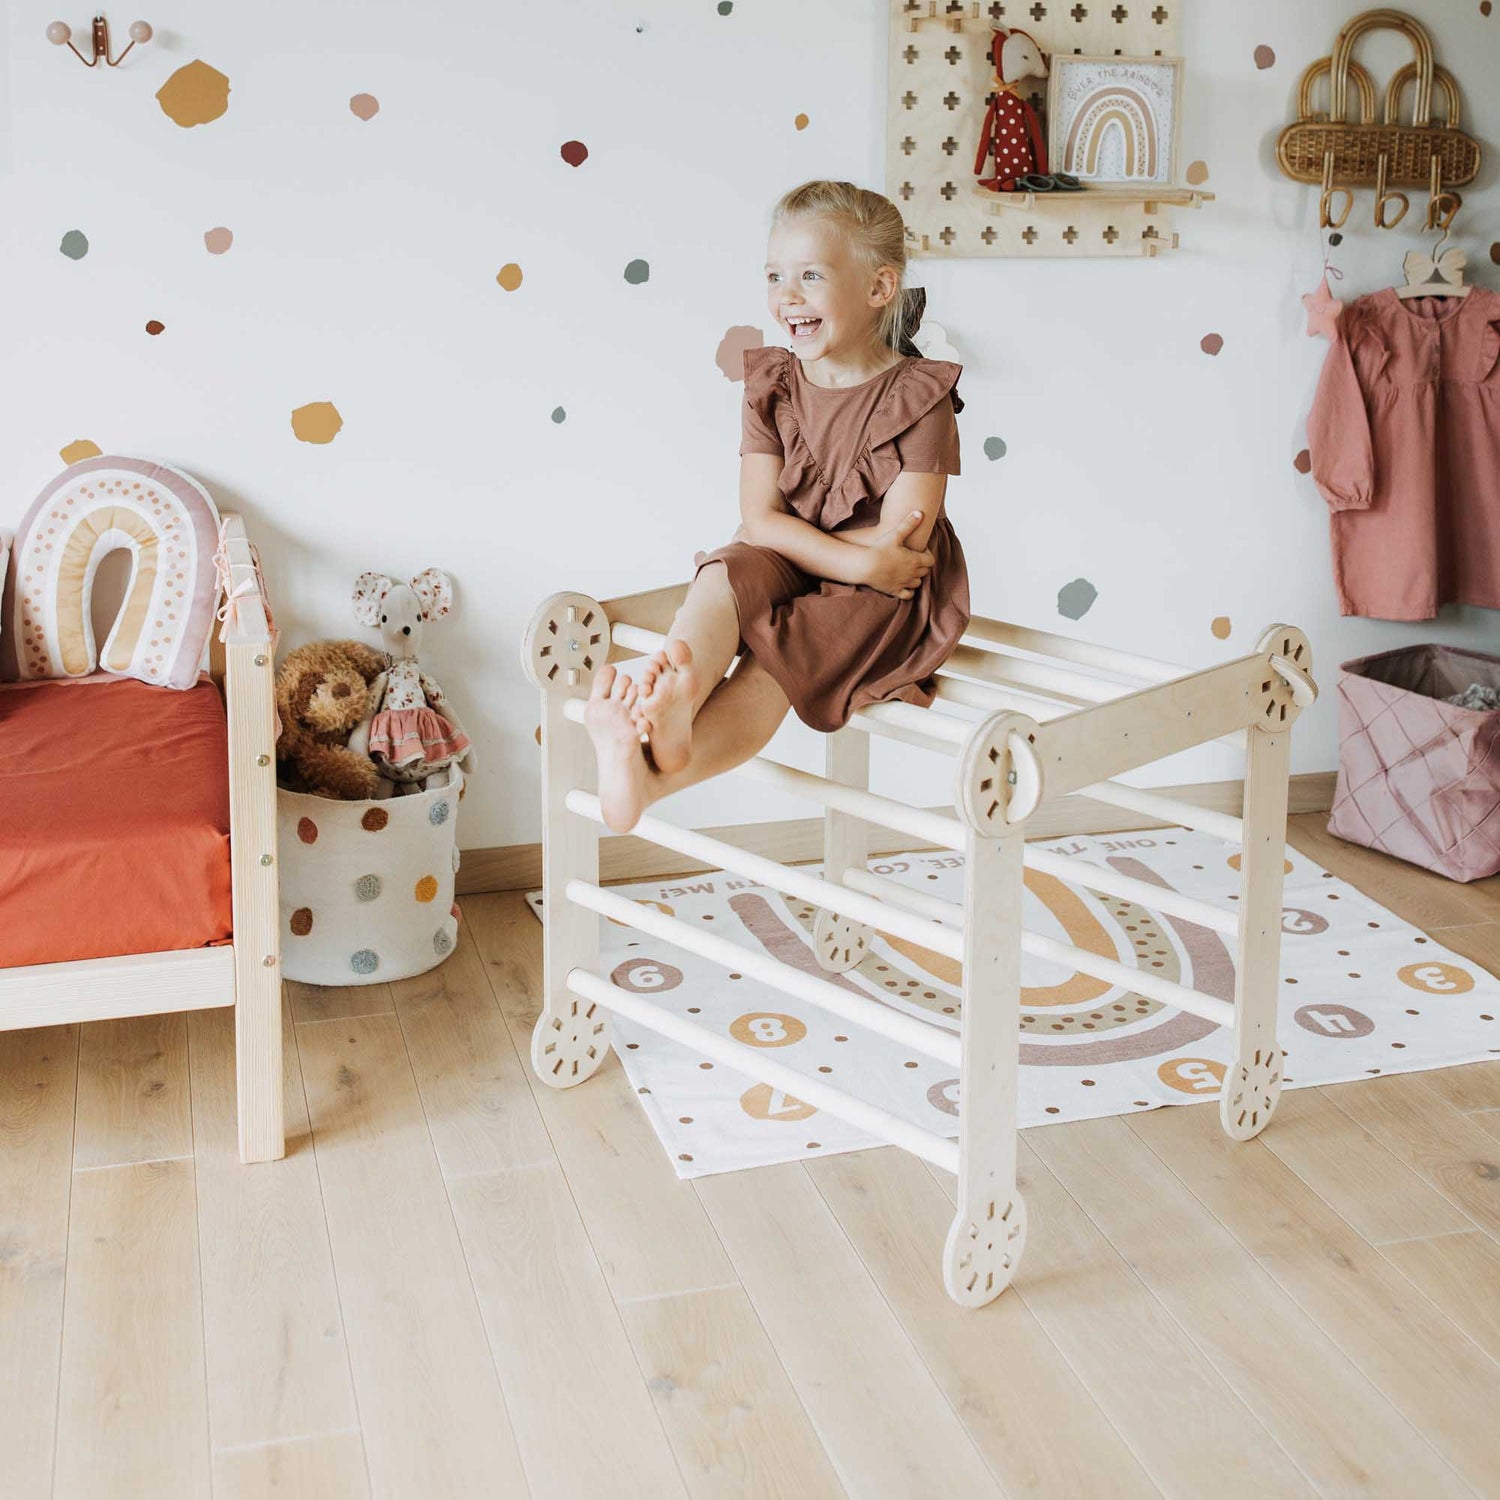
1362	993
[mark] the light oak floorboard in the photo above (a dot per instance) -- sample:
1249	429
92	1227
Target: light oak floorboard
1444	1385
132	1408
1341	1431
330	1466
273	1333
133	1102
734	1420
1461	1274
38	1077
582	1414
1019	1400
324	1002
434	1420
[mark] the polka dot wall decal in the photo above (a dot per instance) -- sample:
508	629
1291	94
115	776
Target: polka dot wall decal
1197	173
1335	239
1303	462
730	355
1495	252
427	888
1076	599
76	452
307	830
510	276
559	415
800	122
374	820
155	326
1220	627
302	921
637	272
1265	57
194	94
1211	343
994	447
317	422
575	153
725	6
75	244
365	106
217	241
1485	7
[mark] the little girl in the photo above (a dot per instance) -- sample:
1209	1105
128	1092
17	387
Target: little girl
845	583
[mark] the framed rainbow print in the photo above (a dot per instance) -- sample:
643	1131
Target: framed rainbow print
1113	121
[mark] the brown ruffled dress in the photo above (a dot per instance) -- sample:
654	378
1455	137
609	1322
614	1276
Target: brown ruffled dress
835	647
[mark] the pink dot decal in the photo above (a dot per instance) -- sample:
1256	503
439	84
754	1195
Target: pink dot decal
365	106
730	355
1211	343
1264	57
217	241
575	153
1303	462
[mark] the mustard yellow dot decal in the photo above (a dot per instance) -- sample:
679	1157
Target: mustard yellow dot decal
510	276
317	422
1436	979
1220	628
76	452
194	94
1197	173
426	888
800	122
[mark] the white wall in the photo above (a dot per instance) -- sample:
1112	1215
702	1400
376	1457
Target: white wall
363	272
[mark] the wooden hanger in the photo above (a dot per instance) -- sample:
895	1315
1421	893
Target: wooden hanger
1435	275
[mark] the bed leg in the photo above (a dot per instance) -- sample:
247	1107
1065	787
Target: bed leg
1252	1084
839	942
989	1230
566	643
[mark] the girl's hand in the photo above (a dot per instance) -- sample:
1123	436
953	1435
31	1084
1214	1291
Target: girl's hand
891	566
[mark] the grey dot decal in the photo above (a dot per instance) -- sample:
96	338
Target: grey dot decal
1076	599
994	447
637	272
559	415
75	244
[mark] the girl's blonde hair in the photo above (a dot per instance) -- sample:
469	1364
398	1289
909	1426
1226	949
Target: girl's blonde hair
872	226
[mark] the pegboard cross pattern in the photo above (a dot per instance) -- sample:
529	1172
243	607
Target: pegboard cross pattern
940	82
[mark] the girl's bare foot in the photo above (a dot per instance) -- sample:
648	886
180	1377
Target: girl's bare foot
623	773
668	689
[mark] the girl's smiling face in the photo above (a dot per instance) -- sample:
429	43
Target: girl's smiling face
817	290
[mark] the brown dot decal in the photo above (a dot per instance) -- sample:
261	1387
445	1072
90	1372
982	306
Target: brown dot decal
426	888
1220	628
1265	57
365	106
1495	252
800	122
1211	343
1485	7
155	327
730	355
1303	462
76	452
307	830
217	241
1197	173
194	94
510	276
301	921
374	820
317	422
575	153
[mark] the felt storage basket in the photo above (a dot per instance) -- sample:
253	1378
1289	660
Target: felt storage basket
367	887
1420	778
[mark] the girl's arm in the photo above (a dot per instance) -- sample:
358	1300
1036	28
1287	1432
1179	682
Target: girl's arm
768	522
911	490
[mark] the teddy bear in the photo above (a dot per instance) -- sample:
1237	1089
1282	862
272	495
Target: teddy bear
412	730
322	695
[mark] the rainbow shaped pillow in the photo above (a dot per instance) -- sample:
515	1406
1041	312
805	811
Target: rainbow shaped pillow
167	521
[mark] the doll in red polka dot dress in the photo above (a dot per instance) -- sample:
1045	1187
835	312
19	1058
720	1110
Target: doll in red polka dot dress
1012	133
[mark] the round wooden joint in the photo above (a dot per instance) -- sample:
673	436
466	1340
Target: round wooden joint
1250	1093
570	1046
840	943
566	642
1287	686
999	783
983	1250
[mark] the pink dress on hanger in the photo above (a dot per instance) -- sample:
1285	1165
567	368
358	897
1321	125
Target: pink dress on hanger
1404	435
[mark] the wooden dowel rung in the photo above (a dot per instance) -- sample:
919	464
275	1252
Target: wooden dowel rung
857	1009
753	1063
1169	809
1067	649
1127	888
892	891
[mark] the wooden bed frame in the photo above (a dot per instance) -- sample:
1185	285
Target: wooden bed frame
1065	719
245	974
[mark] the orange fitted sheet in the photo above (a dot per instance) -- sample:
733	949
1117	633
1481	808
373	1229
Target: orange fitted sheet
114	820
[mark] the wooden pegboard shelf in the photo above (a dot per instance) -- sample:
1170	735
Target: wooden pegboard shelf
1181	197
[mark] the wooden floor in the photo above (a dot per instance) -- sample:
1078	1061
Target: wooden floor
461	1284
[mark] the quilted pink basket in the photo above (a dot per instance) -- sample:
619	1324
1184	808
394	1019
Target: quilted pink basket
1420	778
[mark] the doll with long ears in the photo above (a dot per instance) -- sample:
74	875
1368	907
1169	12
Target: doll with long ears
413	731
1011	132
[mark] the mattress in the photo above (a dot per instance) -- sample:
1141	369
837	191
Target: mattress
114	819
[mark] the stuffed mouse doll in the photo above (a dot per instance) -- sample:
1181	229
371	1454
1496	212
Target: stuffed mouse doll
413	731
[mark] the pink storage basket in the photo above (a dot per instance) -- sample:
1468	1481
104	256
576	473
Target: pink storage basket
1420	778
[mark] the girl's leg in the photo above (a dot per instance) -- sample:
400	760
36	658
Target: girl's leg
740	716
677	681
